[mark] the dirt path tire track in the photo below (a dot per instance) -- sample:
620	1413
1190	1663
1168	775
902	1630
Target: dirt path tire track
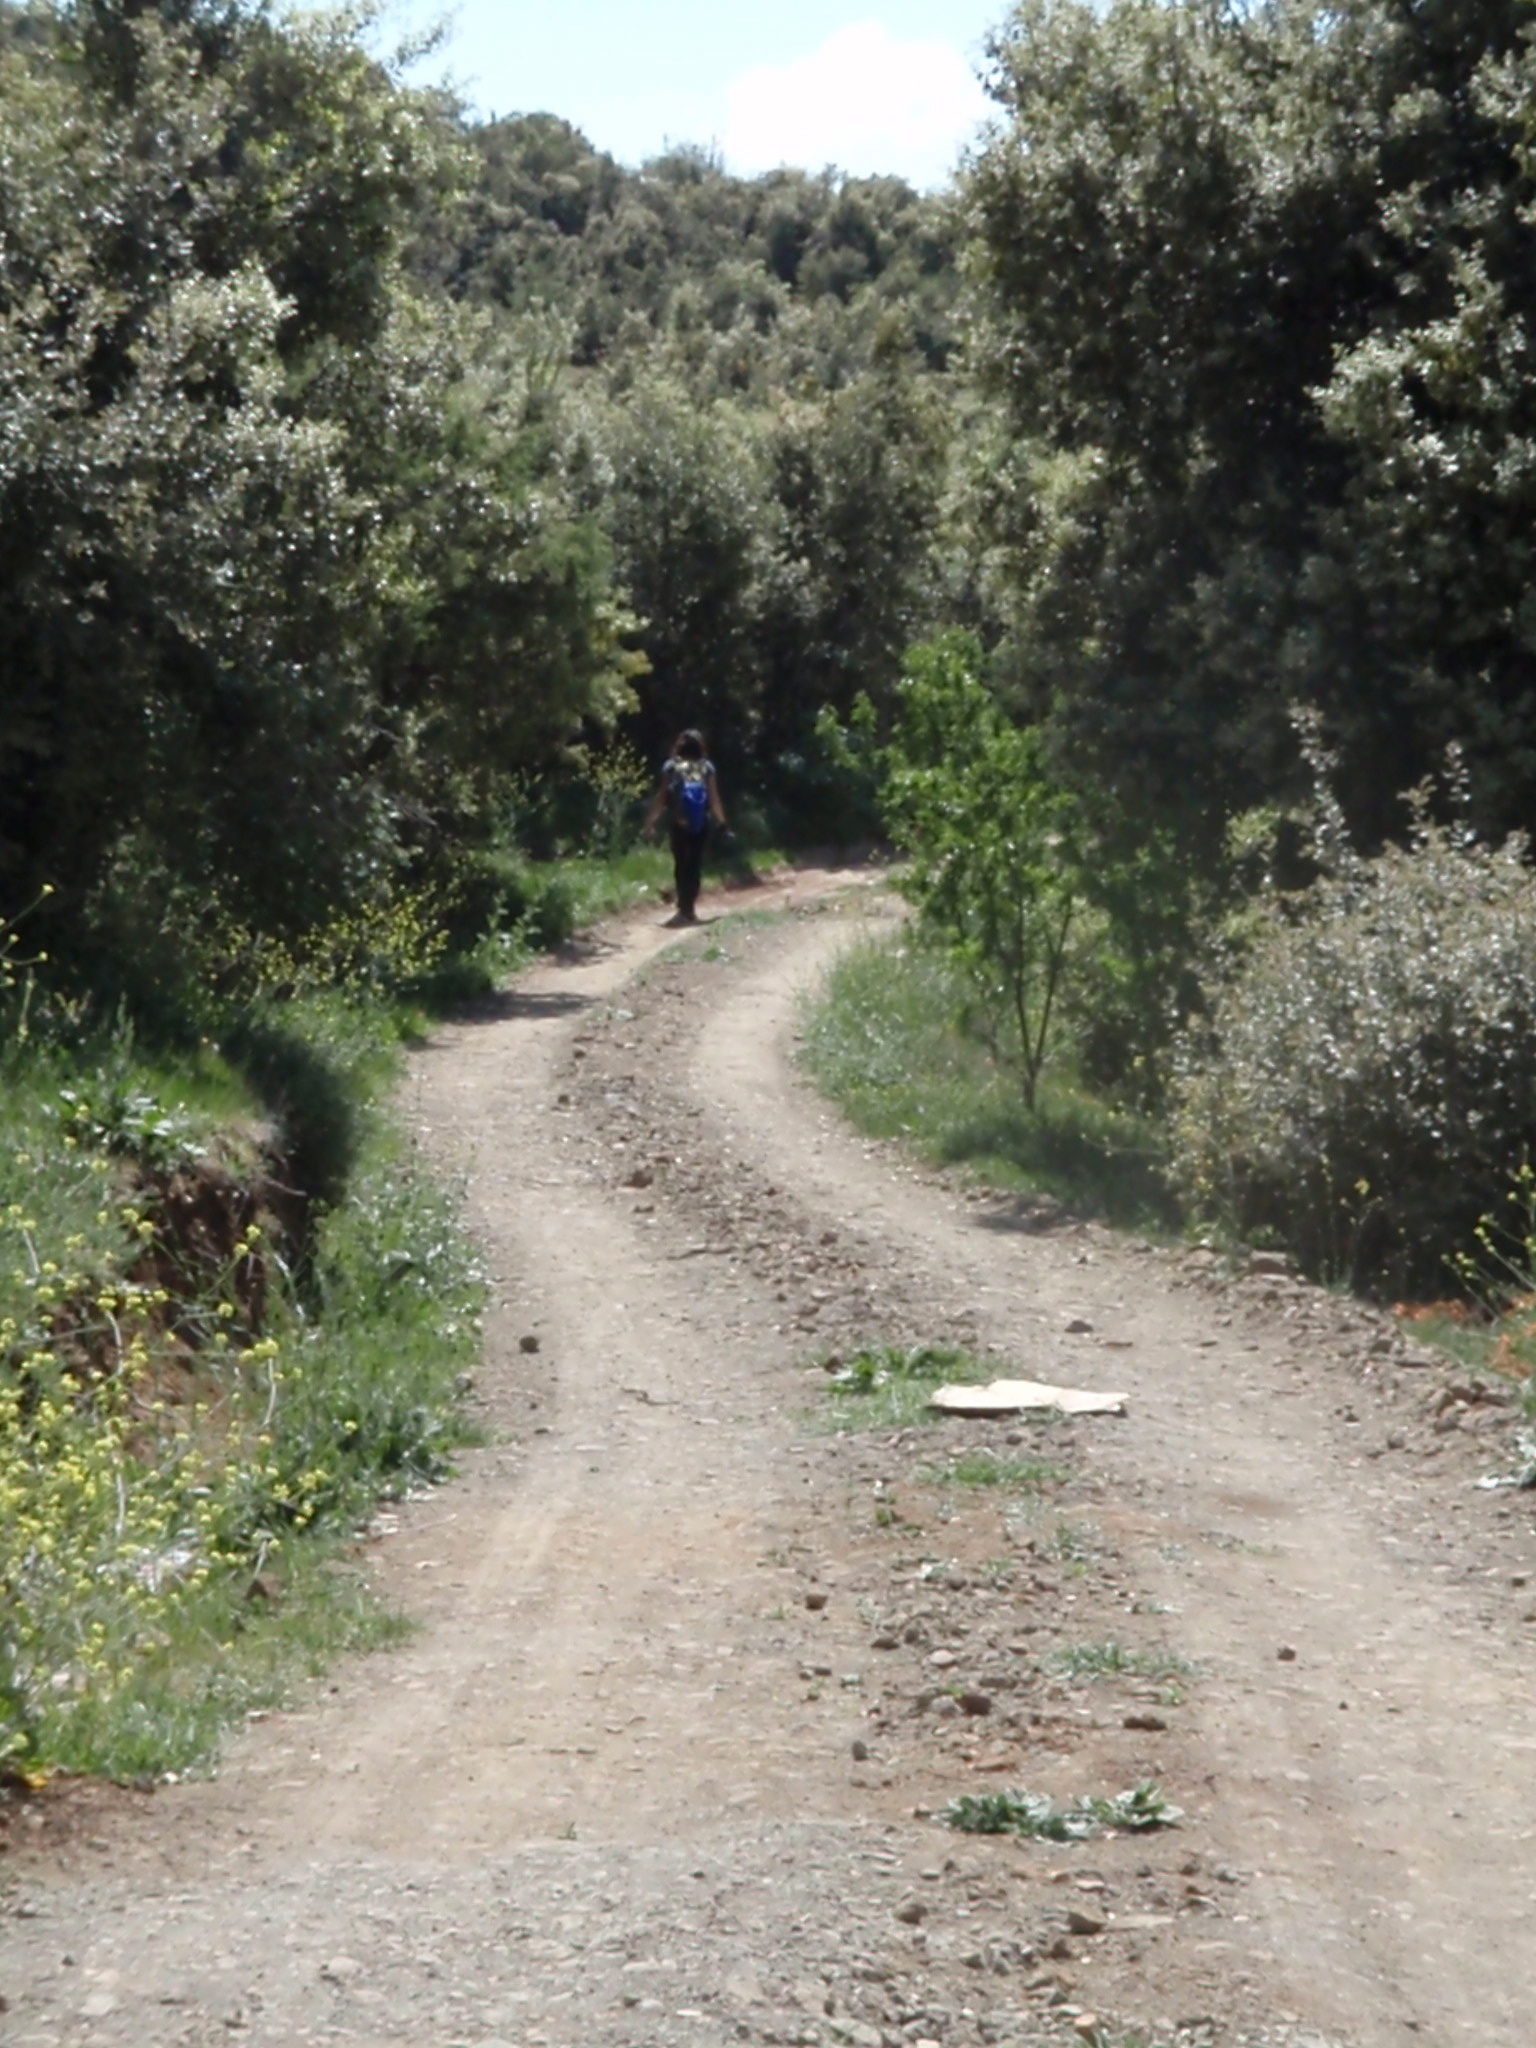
1379	1783
604	1798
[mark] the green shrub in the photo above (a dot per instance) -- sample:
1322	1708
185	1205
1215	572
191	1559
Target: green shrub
1366	1081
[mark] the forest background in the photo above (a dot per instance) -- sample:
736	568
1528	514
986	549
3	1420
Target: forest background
1138	534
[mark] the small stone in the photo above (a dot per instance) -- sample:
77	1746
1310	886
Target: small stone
642	1177
860	1751
886	1642
1153	1724
975	1703
1081	1921
1272	1264
1079	1326
341	1969
941	1660
1086	2026
529	1344
911	1912
815	1602
1286	1654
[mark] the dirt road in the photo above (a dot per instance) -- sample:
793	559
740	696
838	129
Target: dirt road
694	1675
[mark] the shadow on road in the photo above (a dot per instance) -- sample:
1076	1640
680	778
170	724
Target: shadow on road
1030	1214
509	1003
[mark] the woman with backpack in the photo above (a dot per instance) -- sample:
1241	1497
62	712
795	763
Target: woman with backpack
690	796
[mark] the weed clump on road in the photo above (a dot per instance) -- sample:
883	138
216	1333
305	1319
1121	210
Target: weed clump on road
886	1386
1115	1660
985	1468
1035	1815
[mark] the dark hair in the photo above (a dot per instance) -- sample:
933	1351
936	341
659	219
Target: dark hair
689	745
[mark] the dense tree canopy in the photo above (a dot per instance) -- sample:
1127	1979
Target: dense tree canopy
357	458
1259	283
283	573
554	221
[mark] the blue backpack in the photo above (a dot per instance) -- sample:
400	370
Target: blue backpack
690	797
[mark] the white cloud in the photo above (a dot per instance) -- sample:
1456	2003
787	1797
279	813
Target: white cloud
863	102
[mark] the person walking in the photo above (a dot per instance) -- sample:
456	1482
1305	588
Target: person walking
689	794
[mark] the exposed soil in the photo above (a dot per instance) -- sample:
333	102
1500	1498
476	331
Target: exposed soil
695	1677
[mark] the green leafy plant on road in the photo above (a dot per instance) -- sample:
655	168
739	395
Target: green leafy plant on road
985	1468
1115	1660
887	1386
1034	1814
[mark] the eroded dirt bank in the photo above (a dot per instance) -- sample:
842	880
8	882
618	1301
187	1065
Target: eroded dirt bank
693	1675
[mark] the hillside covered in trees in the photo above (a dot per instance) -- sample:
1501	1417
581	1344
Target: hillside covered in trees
359	460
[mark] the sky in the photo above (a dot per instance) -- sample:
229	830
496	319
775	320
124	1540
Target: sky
882	86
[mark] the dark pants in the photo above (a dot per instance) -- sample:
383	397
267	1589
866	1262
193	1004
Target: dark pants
687	867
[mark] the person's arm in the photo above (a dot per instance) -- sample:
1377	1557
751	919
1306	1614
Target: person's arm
716	808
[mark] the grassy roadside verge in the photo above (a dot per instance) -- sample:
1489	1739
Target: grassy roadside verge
884	1038
233	1312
